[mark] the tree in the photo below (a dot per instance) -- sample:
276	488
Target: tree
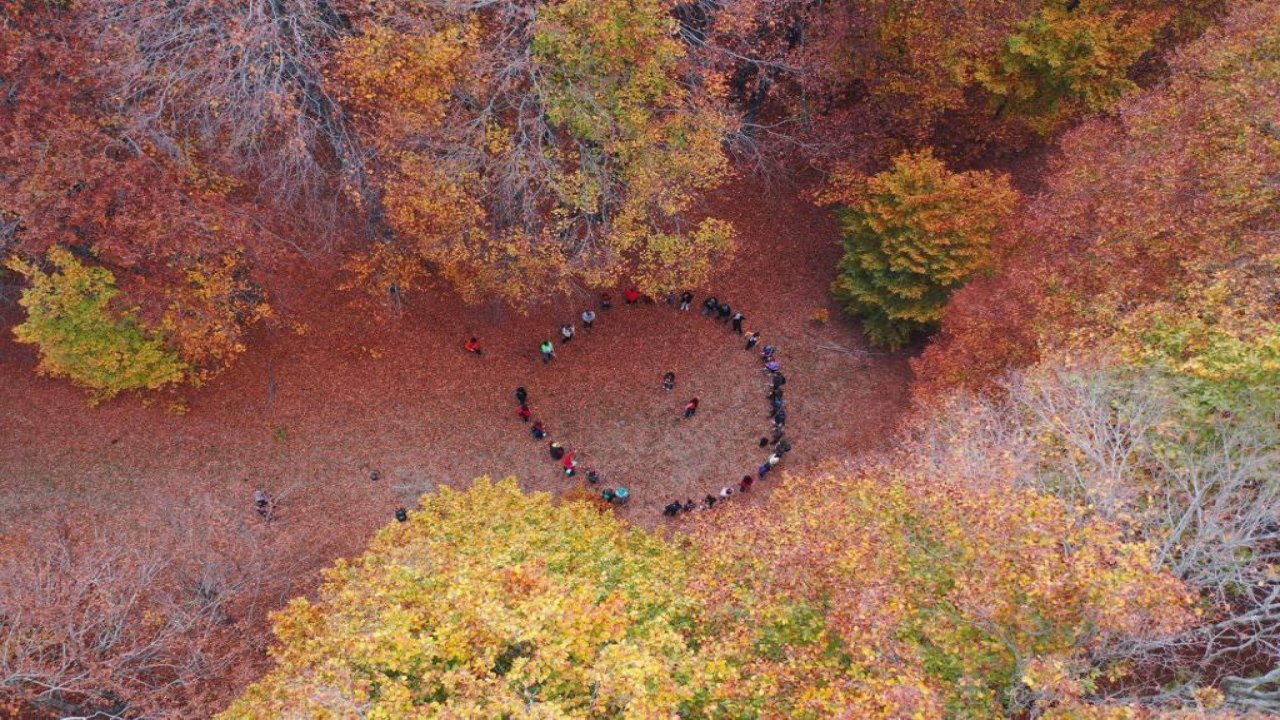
1179	180
81	337
142	612
523	148
1202	490
881	597
1065	62
209	314
913	235
487	603
239	84
1169	430
884	591
180	251
839	82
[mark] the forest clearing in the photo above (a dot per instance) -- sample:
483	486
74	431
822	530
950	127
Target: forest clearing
724	359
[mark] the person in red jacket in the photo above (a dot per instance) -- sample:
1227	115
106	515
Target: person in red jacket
631	295
690	408
473	346
524	413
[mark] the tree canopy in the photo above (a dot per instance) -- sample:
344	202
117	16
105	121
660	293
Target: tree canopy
883	596
913	235
526	148
490	603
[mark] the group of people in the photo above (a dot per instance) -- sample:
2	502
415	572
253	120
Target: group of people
569	331
568	459
722	312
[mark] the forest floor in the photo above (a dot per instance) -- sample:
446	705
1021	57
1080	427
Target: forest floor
324	396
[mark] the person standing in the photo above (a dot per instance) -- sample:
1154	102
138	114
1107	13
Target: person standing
686	300
669	381
779	380
710	305
539	430
724	312
745	483
606	302
738	317
522	395
473	346
263	502
524	413
556	450
690	408
567	331
752	339
763	470
631	295
548	351
778	406
588	318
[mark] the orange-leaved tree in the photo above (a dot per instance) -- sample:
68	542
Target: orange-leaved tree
913	235
888	592
523	147
1181	179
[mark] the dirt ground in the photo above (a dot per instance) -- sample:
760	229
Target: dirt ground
325	395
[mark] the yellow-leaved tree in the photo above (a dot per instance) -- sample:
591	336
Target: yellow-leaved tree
83	337
888	592
913	235
490	603
1064	61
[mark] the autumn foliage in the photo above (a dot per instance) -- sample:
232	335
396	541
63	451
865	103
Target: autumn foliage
913	235
490	603
882	597
1063	63
521	152
1081	521
169	237
80	335
1179	182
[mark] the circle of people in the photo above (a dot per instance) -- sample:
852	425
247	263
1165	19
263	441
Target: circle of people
713	308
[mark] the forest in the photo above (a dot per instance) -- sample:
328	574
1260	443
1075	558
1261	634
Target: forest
700	359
